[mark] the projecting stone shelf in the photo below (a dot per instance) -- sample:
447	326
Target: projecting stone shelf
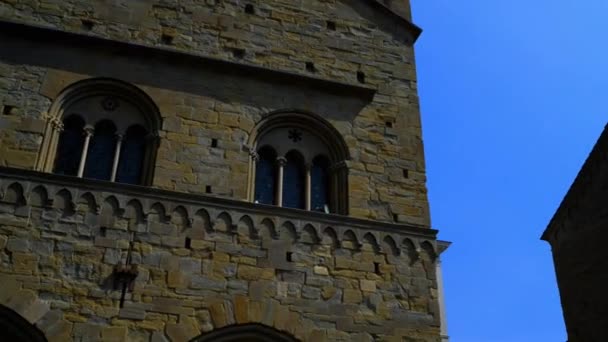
109	201
44	34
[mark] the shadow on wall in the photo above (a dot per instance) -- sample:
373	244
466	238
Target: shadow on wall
187	77
387	23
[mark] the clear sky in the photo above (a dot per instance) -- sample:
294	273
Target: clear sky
514	95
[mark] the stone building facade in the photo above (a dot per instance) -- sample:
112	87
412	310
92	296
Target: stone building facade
576	234
217	170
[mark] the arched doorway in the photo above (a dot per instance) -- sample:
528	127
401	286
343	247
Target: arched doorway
245	333
15	328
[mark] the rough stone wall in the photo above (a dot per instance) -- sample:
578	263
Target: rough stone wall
198	105
205	265
580	265
577	234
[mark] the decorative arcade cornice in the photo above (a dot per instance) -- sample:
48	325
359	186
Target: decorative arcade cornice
58	188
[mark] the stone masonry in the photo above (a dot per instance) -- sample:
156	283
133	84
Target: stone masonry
577	234
206	258
199	104
205	264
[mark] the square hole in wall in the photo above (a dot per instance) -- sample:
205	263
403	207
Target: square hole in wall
360	77
249	9
166	39
310	67
395	218
208	189
188	243
8	110
238	53
389	124
331	25
289	256
213	142
406	173
377	267
103	231
87	24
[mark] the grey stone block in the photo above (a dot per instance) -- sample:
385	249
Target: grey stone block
202	282
133	311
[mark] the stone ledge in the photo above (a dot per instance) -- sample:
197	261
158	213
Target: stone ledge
173	199
413	28
40	33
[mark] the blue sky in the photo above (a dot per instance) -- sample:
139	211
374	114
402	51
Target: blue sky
514	95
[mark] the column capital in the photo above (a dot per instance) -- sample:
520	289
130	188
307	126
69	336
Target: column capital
55	122
58	126
89	130
282	161
254	155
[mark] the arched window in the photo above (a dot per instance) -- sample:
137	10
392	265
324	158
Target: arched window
132	155
306	169
252	332
320	184
294	173
17	329
100	154
101	129
71	141
266	176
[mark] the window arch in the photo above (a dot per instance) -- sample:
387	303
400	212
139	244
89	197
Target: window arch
307	168
320	183
265	192
294	175
101	129
71	141
252	332
18	329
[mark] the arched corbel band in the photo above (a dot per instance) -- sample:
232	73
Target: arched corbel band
103	129
298	160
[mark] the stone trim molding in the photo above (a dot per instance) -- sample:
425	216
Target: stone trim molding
245	332
29	188
411	27
34	32
25	303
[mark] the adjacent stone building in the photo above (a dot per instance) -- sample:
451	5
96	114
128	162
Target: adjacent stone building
213	170
577	234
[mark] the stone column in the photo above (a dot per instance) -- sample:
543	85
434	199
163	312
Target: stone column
308	186
88	130
281	162
441	246
253	161
116	156
48	150
51	149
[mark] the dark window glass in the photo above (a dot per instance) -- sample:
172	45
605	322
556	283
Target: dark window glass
132	152
100	156
320	183
265	176
293	181
70	146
